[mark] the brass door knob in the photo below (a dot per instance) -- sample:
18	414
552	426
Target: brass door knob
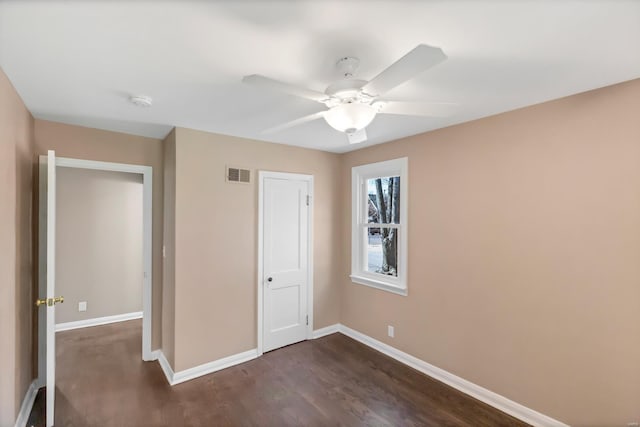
49	301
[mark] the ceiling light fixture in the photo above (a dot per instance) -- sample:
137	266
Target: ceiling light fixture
350	117
141	101
353	103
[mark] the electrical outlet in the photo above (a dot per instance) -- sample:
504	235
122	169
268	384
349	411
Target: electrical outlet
390	331
82	306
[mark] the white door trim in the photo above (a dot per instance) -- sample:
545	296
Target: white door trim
262	175
147	219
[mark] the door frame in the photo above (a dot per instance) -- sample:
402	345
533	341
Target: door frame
262	175
147	248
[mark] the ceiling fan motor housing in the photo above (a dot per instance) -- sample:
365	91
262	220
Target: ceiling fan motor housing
345	89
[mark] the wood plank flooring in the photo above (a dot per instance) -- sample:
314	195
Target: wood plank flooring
330	381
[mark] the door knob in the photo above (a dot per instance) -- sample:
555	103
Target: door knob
269	279
49	301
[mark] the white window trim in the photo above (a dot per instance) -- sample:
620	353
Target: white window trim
359	177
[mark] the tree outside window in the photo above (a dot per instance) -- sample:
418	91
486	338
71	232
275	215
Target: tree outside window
383	209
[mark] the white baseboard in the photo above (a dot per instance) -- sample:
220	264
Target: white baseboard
482	394
155	355
166	367
27	404
207	368
327	330
98	321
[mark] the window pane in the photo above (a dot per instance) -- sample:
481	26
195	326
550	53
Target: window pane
382	250
384	200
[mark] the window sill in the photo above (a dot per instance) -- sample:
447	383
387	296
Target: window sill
378	285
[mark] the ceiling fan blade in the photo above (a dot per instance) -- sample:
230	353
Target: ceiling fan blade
357	136
275	85
295	122
414	62
429	109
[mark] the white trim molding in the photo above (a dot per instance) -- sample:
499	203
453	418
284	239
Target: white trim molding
482	394
207	368
360	274
27	404
327	330
67	326
165	366
147	242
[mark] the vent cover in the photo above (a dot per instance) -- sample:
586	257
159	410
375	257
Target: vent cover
241	176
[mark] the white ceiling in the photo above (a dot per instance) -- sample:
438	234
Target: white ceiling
78	61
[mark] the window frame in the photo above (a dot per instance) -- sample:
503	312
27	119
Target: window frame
359	225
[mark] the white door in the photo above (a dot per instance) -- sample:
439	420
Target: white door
46	281
285	269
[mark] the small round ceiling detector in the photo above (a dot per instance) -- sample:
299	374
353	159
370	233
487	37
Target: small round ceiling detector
141	101
347	66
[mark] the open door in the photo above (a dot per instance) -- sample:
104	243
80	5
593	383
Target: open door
46	281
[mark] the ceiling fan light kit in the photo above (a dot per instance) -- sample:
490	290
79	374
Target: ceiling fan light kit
350	117
353	104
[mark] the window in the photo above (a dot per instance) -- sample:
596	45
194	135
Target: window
379	225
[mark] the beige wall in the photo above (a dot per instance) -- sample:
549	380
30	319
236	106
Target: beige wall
169	235
93	144
16	278
216	241
99	244
524	255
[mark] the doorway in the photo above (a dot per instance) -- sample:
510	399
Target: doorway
285	268
99	266
47	264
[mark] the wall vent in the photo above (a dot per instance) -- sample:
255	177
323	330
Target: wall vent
242	176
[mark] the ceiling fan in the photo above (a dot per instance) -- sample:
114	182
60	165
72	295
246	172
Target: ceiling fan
353	104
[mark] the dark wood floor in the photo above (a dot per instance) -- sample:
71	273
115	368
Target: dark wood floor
329	381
